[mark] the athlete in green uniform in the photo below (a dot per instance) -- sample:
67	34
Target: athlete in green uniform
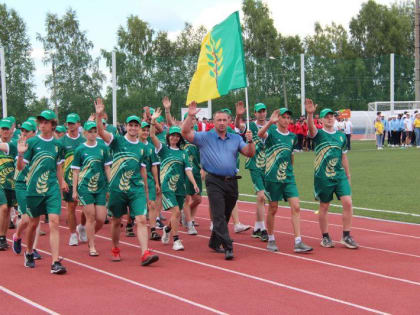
127	187
192	199
174	166
28	130
8	153
60	131
43	153
151	161
70	141
279	178
256	165
91	172
332	173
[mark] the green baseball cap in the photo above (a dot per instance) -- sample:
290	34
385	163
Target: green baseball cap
174	129
29	126
31	118
89	125
33	122
60	129
144	124
72	118
259	106
133	118
6	123
284	110
47	114
13	119
160	119
325	112
227	111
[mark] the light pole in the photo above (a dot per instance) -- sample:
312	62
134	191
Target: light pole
51	55
3	81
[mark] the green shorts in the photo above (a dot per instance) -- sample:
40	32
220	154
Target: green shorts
68	196
276	191
170	200
98	199
257	178
189	187
152	189
7	196
21	200
324	189
119	202
39	205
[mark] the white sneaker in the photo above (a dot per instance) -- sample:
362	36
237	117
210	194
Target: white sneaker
241	227
211	226
81	229
192	230
165	236
73	240
178	245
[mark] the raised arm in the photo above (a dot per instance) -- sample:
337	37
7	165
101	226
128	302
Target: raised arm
310	110
240	111
155	140
187	126
22	148
249	149
274	118
100	113
166	102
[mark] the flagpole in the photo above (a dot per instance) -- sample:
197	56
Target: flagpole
247	109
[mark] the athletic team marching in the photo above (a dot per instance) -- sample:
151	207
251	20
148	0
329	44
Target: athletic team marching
149	169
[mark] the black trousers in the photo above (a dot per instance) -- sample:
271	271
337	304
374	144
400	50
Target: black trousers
222	195
348	136
300	142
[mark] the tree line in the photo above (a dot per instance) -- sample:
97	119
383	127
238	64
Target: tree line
344	68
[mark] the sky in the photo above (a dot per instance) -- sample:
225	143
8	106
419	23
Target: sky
102	18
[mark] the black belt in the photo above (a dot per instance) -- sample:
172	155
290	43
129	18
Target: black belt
225	178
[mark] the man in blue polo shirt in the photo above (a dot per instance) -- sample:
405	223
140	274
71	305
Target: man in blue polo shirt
218	152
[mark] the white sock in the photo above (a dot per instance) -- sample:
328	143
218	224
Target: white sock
298	240
190	224
271	237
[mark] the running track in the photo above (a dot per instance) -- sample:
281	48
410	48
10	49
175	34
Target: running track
383	276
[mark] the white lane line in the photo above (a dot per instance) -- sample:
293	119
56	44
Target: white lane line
275	283
28	301
317	238
144	286
333	213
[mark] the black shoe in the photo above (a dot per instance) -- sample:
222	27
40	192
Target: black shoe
228	254
219	249
37	256
159	225
58	268
12	225
264	236
256	234
29	260
155	236
3	243
129	230
17	244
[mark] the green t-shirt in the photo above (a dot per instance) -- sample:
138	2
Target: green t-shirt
257	162
16	134
329	148
7	167
193	157
172	169
69	145
42	155
162	136
150	159
90	160
279	149
128	158
111	129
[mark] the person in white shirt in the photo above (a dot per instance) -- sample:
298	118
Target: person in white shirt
348	129
408	127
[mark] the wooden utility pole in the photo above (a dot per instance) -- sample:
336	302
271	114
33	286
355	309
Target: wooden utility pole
417	50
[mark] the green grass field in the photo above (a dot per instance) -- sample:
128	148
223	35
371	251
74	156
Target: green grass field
381	180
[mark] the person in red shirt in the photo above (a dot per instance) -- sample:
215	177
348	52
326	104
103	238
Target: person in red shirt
291	126
299	132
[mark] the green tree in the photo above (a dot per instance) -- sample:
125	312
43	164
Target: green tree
19	65
75	80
